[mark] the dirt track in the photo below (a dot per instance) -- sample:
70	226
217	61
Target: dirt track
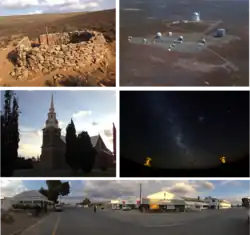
34	25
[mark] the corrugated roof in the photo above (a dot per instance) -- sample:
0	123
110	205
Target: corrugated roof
190	199
29	195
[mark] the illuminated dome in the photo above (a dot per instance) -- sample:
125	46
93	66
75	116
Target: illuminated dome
158	34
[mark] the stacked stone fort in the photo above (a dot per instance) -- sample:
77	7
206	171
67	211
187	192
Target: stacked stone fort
77	50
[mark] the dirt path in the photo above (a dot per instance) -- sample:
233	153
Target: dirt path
5	67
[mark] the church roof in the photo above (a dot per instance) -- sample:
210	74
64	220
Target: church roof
93	139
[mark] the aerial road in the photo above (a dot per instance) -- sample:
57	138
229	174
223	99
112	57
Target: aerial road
80	221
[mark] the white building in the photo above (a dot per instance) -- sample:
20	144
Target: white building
26	198
196	16
215	203
6	203
195	203
131	201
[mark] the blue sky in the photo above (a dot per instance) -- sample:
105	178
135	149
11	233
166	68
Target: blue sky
24	7
92	111
232	190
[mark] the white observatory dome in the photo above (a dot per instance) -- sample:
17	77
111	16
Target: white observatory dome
196	16
158	35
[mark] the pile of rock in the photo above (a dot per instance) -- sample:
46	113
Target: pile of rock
85	55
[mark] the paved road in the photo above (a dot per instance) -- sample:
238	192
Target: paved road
80	221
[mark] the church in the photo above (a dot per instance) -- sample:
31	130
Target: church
54	145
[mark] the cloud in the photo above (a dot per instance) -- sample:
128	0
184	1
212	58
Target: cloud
108	132
35	12
10	188
29	150
82	114
113	189
94	123
48	6
230	182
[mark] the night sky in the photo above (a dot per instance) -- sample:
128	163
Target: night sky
184	129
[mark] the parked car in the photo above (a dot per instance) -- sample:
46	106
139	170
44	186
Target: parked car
58	208
126	208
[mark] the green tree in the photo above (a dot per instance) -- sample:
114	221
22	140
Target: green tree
9	134
56	188
70	153
86	201
65	189
15	130
85	152
44	192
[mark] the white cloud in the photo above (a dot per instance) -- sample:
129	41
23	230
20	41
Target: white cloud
35	12
231	182
112	189
11	187
29	150
82	114
55	5
18	3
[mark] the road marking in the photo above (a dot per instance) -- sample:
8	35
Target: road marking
16	232
163	225
32	226
56	226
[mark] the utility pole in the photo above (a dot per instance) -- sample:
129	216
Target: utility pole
140	192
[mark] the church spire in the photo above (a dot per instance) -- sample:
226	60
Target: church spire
52	121
52	109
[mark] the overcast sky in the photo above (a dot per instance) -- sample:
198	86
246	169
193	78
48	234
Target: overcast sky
92	111
23	7
100	190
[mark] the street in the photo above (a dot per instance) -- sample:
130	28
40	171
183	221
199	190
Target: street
80	221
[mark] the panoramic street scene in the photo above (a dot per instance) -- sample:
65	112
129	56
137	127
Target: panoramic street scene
184	134
184	43
57	43
58	133
124	207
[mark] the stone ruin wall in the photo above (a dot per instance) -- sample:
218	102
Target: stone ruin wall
56	51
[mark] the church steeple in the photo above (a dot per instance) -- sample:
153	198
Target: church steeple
52	109
52	121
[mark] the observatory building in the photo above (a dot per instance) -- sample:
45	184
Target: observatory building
196	16
220	33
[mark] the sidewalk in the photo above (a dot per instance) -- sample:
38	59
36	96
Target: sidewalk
21	221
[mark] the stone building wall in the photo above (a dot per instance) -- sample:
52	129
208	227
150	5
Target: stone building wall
58	52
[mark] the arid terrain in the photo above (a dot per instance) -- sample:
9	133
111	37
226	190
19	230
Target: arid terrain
146	65
14	28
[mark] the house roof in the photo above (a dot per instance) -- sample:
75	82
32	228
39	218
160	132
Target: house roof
93	139
30	195
190	199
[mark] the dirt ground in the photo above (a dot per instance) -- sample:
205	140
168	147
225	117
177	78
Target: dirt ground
14	27
21	222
